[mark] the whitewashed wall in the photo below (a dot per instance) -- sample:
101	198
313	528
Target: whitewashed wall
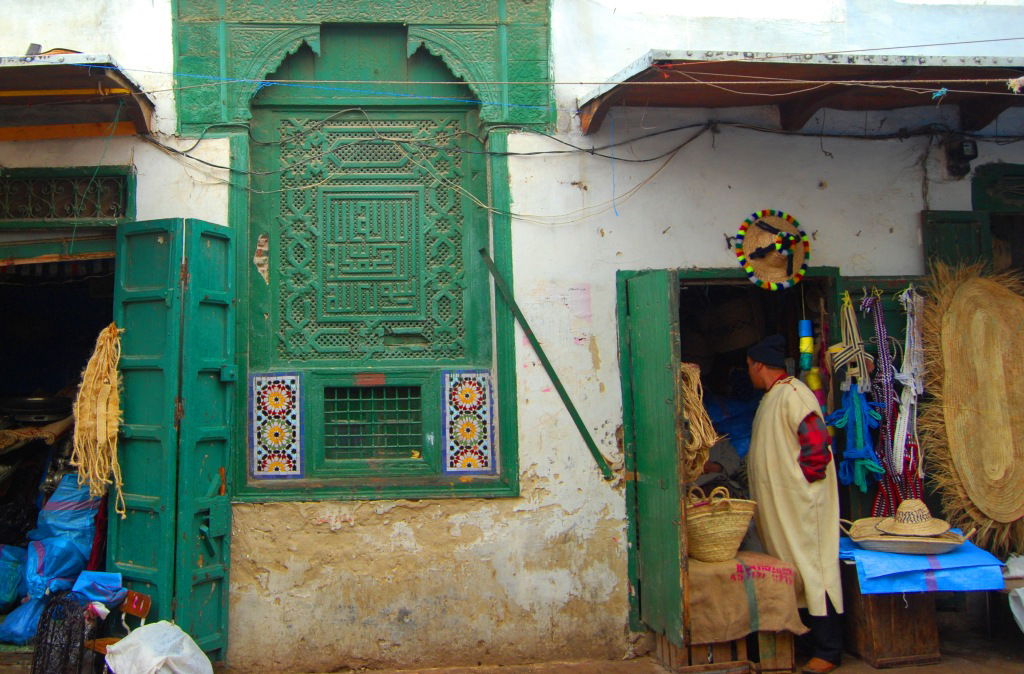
861	200
137	35
543	577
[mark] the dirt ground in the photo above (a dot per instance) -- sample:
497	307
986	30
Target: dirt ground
972	640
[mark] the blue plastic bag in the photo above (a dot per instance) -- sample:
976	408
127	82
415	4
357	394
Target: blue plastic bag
12	574
21	623
69	513
52	564
101	586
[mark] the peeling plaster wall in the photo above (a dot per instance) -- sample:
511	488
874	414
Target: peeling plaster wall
428	582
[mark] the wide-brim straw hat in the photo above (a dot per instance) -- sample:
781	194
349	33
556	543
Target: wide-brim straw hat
912	518
864	533
772	249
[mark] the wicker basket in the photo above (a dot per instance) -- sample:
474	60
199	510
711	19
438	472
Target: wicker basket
716	524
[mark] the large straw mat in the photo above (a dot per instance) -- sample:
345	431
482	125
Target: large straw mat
983	394
764	263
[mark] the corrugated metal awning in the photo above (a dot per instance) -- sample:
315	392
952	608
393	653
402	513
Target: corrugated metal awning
69	95
801	84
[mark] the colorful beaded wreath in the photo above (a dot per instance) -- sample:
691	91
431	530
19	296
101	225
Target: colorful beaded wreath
780	246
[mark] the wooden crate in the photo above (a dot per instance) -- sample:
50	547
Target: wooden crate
775	648
728	657
889	630
775	652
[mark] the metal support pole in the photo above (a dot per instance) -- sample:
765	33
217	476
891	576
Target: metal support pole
506	294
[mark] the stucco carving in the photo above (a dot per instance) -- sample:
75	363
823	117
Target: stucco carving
461	49
258	51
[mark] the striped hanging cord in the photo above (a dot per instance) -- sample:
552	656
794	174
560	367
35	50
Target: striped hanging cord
883	389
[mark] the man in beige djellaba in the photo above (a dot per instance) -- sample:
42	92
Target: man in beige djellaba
793	479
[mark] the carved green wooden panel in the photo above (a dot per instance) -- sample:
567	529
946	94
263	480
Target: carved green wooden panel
499	47
369	261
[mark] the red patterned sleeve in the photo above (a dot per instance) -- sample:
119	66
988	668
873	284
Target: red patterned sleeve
814	447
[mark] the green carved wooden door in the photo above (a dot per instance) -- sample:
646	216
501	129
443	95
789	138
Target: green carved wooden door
653	349
174	299
208	378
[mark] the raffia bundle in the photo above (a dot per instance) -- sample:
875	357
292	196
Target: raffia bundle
702	433
972	425
97	418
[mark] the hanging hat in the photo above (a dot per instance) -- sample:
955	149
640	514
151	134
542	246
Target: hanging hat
912	519
772	249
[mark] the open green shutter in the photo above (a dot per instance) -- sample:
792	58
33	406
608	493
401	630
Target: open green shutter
147	305
208	382
653	336
175	300
956	236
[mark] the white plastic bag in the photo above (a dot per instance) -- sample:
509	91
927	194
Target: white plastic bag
158	648
1015	569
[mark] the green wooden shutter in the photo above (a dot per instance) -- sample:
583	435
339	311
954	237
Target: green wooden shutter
147	305
956	236
653	336
174	299
208	380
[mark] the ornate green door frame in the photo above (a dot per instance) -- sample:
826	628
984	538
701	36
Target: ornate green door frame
493	177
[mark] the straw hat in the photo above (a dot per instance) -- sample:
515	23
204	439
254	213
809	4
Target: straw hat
912	519
864	533
772	249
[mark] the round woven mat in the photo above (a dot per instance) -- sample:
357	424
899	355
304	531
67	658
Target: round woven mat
983	395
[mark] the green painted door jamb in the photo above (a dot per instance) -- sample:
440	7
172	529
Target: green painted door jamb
506	294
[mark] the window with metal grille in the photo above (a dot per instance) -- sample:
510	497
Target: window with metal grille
373	422
63	197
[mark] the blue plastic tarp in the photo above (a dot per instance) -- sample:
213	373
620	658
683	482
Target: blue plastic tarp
69	513
52	564
21	624
101	586
966	569
12	574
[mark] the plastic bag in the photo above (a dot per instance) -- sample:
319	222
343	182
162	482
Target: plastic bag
70	513
12	574
158	648
52	564
101	586
21	623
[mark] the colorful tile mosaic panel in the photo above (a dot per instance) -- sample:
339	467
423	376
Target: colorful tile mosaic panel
470	445
275	434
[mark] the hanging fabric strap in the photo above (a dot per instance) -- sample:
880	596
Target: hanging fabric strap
850	351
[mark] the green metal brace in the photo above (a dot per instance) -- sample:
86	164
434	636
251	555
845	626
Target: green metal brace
506	294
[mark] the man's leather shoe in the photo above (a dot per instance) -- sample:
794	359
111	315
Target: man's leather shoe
819	666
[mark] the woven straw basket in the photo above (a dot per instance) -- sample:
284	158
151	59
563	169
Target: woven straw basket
716	524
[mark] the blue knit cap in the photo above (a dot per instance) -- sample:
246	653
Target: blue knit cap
771	351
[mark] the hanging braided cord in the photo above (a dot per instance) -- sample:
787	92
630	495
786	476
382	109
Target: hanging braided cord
702	433
97	418
894	487
906	446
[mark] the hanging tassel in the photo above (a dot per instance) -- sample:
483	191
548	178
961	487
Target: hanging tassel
97	413
860	464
